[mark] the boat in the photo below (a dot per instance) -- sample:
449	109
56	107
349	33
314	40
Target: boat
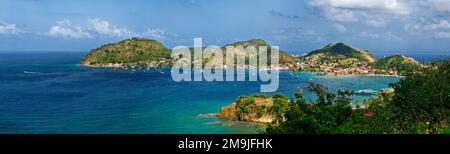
365	92
29	72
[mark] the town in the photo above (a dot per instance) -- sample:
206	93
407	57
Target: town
335	69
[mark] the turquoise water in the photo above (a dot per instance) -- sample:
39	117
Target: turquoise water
50	93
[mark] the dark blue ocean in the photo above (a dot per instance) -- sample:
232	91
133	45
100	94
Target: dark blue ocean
49	93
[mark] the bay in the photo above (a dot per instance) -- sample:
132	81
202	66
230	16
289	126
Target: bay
47	92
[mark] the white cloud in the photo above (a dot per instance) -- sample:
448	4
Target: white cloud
103	27
374	13
294	34
95	27
391	36
445	35
442	24
156	33
66	29
385	36
375	22
160	34
423	18
426	28
388	6
439	29
339	15
9	29
437	5
369	35
340	28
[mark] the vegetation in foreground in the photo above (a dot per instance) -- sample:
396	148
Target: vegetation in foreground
419	105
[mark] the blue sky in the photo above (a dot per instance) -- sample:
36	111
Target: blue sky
382	26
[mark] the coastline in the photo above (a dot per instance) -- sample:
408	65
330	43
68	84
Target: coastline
314	73
353	75
122	67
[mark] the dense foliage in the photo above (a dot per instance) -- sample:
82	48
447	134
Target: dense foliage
422	100
243	106
420	104
257	108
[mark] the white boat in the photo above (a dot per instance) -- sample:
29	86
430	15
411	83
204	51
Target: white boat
29	72
365	92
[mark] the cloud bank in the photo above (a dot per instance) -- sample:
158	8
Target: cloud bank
6	28
423	17
98	28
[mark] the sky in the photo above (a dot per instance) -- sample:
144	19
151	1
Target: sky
381	26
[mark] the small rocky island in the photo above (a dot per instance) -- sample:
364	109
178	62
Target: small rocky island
258	108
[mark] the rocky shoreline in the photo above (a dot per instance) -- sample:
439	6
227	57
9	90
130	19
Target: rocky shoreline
258	108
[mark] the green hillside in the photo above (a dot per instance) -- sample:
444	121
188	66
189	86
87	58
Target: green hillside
398	62
142	52
341	51
284	57
130	52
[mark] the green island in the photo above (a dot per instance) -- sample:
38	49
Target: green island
134	52
332	60
143	52
419	104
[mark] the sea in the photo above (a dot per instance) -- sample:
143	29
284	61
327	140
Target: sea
49	93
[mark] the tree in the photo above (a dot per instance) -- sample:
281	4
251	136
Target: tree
422	101
420	104
332	110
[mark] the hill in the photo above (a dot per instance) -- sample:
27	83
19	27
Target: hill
341	59
340	51
129	53
399	62
284	57
256	108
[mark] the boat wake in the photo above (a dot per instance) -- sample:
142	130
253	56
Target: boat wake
207	115
31	72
